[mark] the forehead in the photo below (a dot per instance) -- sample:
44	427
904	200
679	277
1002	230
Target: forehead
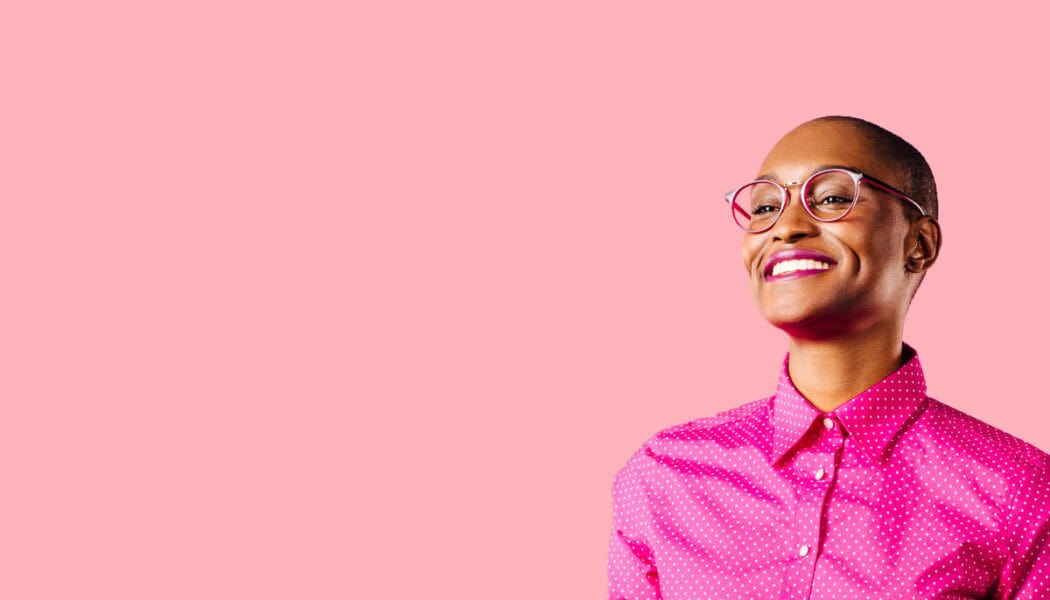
812	145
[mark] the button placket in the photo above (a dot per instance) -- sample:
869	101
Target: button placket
814	476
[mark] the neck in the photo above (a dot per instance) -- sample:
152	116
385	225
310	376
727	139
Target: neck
829	373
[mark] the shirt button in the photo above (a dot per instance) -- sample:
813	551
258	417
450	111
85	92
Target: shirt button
828	423
804	550
819	474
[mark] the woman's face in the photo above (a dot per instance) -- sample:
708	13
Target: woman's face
858	276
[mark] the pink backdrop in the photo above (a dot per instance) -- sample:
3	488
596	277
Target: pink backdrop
305	301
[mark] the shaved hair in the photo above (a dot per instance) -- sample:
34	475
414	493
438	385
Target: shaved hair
918	182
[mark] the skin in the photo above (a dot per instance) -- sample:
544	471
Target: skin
846	324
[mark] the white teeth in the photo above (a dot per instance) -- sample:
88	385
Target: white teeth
790	266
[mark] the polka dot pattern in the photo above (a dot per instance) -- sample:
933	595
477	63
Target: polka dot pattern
892	495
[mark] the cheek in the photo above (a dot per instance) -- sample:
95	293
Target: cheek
750	251
882	252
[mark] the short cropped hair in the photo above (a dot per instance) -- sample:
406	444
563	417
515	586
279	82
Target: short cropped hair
918	177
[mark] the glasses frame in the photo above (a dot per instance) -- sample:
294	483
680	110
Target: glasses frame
785	196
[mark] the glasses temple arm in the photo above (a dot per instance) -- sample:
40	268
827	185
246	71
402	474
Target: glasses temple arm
889	188
737	208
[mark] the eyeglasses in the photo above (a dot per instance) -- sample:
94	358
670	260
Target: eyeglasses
829	196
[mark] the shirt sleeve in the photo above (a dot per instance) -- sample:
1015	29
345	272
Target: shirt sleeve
631	567
1026	575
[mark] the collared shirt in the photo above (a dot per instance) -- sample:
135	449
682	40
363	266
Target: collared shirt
891	495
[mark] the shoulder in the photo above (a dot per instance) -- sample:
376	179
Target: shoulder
736	424
969	454
972	439
704	439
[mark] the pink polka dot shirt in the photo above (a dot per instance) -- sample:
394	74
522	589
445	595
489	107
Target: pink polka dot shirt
892	495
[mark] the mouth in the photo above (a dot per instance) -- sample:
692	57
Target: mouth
792	264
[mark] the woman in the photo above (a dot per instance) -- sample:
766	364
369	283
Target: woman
849	482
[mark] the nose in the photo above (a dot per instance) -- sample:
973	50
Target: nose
794	223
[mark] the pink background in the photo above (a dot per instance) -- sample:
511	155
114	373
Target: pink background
308	301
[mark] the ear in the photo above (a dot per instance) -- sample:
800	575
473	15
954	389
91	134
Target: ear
923	244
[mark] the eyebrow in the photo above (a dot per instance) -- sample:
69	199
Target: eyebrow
773	177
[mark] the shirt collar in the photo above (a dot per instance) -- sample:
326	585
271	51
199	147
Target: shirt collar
872	419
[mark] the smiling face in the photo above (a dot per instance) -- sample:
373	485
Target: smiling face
822	280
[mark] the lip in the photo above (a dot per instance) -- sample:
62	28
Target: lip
794	254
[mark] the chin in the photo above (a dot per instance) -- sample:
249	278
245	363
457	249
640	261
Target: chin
824	321
789	308
790	319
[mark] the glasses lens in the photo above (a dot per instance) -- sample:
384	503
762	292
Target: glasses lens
831	194
757	205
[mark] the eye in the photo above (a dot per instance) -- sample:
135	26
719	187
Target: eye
831	191
831	200
764	209
832	203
